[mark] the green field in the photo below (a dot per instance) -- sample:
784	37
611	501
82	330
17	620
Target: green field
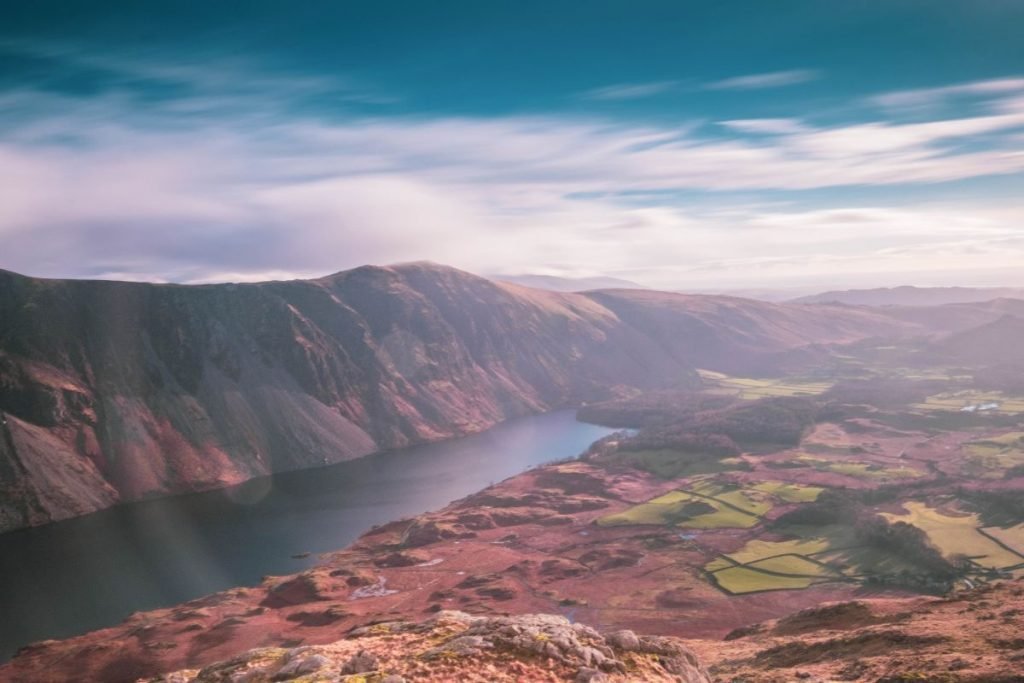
771	565
706	504
957	535
739	580
748	388
860	470
1012	537
674	508
790	493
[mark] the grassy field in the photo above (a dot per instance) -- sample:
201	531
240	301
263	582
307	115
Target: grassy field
790	493
758	550
1012	537
706	504
739	580
860	470
748	388
771	565
957	535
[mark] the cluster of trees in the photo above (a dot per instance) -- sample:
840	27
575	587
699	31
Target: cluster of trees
908	543
882	392
679	439
654	409
996	508
777	420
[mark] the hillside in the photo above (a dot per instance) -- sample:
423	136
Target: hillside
913	296
117	391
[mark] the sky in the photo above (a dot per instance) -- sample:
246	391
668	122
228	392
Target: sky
700	146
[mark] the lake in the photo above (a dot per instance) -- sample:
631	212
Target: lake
75	576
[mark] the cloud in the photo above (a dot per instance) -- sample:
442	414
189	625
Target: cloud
766	126
630	91
239	187
774	79
922	98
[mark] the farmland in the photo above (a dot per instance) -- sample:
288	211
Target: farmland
706	504
749	389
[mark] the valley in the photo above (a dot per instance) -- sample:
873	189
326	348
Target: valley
861	477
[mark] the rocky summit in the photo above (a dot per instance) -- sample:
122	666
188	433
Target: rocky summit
455	646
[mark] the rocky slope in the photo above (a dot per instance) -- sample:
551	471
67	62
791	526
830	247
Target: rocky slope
115	391
527	546
967	637
455	646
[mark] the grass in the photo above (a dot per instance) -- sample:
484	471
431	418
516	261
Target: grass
739	580
758	550
723	506
861	470
1012	537
956	535
790	493
771	565
750	388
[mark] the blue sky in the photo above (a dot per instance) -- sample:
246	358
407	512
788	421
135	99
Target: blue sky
679	144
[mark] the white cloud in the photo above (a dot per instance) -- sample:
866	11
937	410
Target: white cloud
774	79
766	126
105	186
922	98
630	91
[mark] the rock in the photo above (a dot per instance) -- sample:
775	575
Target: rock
587	675
624	640
361	662
301	666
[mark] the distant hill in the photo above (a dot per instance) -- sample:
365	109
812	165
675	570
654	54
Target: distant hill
568	284
913	296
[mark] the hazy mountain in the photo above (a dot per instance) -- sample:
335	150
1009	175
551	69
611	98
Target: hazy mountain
913	296
114	391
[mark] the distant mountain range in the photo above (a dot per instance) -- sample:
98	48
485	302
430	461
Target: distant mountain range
913	296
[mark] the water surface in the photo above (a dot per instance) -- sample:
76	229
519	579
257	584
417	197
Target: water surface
87	573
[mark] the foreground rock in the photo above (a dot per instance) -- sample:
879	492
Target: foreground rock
455	646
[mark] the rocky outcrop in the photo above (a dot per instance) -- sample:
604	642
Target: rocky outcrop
455	646
116	391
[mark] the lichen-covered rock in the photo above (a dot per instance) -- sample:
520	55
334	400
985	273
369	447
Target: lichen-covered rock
457	646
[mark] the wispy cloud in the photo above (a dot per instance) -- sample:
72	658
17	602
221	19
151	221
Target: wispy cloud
924	97
244	192
767	126
773	79
630	91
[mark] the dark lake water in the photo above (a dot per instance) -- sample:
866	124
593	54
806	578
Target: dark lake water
87	573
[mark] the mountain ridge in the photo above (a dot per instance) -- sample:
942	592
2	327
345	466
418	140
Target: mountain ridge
118	391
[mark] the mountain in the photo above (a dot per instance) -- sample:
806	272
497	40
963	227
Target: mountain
119	391
996	342
912	296
568	284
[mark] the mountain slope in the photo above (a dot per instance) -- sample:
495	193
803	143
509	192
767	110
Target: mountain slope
113	391
913	296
